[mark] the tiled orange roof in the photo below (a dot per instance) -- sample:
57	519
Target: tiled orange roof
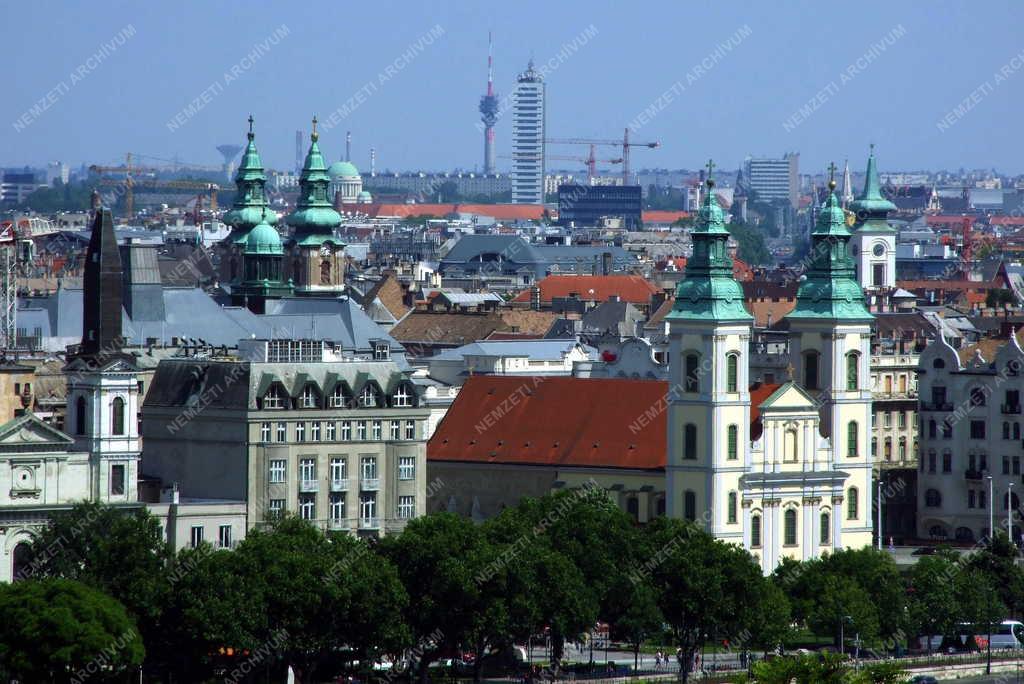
740	270
555	421
662	216
1007	220
629	288
504	212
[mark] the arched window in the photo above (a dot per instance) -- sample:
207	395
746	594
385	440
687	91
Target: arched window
732	439
903	449
80	416
755	531
852	503
731	371
825	533
938	363
689	505
731	513
21	561
811	359
692	378
977	396
690	442
117	416
853	371
938	531
888	448
932	431
660	506
851	439
633	507
789	527
1016	430
933	499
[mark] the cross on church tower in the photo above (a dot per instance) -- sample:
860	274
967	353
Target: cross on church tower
314	135
832	175
250	127
710	167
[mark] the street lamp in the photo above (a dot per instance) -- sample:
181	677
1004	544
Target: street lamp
879	504
842	633
991	508
1009	511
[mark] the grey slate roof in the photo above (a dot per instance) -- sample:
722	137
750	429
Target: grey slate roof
535	350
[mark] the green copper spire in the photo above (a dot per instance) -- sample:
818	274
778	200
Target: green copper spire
709	291
871	208
830	290
250	206
314	214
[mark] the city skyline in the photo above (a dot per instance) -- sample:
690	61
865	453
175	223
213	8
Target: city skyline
823	81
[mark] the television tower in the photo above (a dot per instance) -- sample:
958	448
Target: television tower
489	112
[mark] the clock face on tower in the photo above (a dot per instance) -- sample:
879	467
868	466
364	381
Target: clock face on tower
325	250
878	249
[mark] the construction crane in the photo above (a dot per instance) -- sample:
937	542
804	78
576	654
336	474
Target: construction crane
624	143
591	161
130	180
8	287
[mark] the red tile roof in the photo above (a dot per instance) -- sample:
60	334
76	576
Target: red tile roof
740	270
629	288
555	421
662	216
758	393
1007	221
504	212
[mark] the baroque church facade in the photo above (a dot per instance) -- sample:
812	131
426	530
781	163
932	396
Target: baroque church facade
784	470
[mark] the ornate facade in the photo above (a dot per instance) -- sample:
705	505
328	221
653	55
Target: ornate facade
783	470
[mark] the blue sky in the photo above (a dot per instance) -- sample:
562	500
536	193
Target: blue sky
928	58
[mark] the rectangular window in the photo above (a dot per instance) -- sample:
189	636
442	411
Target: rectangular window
405	507
265	432
300	432
277	470
314	432
888	419
307	470
1006	465
931	462
947	462
970	498
1016	465
275	508
407	468
336	507
375	430
369	467
307	506
731	454
381	351
410	429
361	431
396	430
197	536
224	536
329	431
282	432
368	508
902	419
116	480
339	469
346	431
977	429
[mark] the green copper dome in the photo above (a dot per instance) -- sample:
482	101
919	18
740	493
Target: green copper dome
871	208
342	169
830	290
314	212
250	206
709	291
263	239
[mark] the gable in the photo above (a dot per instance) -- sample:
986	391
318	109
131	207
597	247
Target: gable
789	397
28	430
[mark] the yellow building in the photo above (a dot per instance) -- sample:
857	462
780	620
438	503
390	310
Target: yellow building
793	479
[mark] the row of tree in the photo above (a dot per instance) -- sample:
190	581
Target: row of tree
328	602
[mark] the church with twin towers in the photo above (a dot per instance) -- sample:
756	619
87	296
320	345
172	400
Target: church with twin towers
784	470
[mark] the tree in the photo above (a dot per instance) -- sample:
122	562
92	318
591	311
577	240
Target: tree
933	607
119	552
56	629
443	561
997	562
751	245
826	668
1000	298
706	589
640	619
843	607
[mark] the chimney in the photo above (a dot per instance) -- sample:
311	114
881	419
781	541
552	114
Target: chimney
606	263
535	297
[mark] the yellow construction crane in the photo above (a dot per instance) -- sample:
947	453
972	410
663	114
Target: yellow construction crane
129	181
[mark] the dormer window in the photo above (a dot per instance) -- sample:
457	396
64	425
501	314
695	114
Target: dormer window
381	351
403	397
273	399
340	398
368	398
309	398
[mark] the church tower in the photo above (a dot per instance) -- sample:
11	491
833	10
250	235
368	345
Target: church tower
250	208
874	240
316	259
709	400
830	345
102	385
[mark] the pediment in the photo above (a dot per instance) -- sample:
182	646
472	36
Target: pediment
29	430
789	397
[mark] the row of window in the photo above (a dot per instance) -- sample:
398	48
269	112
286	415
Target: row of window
977	428
884	418
975	462
732	359
223	536
790	442
359	431
852	513
117	422
338	469
888	448
370	396
336	506
789	529
975	499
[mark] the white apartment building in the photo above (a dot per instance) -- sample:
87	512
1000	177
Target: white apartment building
528	138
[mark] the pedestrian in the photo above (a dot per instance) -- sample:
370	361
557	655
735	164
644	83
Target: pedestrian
657	660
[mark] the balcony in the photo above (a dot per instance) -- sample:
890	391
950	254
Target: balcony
339	485
936	406
307	486
1011	408
972	474
369	523
370	484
